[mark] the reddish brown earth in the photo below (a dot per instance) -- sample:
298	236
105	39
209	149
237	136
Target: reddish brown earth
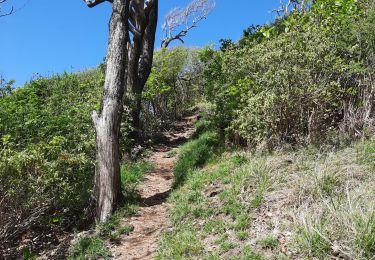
152	217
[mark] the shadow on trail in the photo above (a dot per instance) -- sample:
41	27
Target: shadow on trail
156	199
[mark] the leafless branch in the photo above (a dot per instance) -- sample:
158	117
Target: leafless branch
11	11
179	21
93	3
286	7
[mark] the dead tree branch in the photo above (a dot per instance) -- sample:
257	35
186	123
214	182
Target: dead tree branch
142	25
286	7
2	14
93	3
179	21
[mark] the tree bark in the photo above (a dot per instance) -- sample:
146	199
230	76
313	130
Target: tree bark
140	58
107	192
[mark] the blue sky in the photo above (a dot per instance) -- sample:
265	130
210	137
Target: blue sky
52	36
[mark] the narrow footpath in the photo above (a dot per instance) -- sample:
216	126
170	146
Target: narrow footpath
152	217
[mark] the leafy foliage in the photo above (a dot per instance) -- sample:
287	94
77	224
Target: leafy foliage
296	80
47	143
302	79
47	152
172	88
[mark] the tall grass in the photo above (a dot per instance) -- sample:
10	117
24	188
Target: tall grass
195	154
366	153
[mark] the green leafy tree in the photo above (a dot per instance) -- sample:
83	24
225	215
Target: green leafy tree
294	80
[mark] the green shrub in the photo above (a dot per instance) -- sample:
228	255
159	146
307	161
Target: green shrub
44	175
195	154
47	152
89	248
294	80
203	125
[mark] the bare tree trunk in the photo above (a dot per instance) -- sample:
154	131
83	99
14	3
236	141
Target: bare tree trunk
141	56
137	111
107	191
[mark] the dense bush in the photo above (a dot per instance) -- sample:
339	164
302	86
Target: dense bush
47	155
45	108
297	80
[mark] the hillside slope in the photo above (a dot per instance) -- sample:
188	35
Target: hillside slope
288	205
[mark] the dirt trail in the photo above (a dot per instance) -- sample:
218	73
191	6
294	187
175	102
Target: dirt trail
152	217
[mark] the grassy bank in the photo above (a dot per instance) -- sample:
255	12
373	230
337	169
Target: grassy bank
301	204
